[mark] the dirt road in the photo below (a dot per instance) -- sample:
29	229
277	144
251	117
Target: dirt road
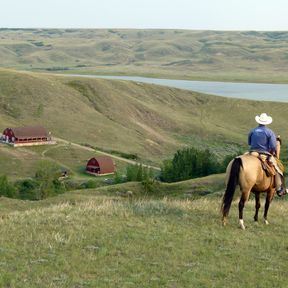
59	140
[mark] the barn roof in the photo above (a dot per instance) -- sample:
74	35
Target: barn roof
105	163
30	132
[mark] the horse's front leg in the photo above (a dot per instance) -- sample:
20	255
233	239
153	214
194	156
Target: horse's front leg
243	200
269	197
257	206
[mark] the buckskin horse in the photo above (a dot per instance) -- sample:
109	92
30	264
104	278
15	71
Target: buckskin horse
247	172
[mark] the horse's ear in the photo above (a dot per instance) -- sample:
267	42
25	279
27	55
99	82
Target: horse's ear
278	138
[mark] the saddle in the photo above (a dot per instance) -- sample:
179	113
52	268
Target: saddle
266	164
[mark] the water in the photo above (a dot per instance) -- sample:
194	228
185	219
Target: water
251	91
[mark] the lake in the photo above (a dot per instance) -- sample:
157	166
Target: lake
251	91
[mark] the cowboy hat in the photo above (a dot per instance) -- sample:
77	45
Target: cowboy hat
263	119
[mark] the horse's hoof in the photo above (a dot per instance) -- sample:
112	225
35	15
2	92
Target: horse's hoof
241	224
266	222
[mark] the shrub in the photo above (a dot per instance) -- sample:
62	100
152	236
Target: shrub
27	189
47	176
118	178
7	189
189	163
138	173
89	184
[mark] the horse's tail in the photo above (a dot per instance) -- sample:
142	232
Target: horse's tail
231	186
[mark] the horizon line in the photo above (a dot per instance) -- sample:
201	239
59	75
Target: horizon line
137	28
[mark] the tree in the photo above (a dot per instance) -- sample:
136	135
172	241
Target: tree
131	172
167	172
139	173
228	158
189	163
47	176
7	189
148	180
27	189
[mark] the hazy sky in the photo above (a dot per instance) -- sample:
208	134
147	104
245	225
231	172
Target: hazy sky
182	14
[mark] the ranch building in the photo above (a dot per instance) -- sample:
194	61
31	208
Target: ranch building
26	136
100	165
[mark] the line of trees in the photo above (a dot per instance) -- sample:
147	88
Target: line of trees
44	184
137	173
186	164
192	163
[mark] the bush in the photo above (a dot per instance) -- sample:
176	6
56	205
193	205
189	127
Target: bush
118	178
44	184
27	189
192	163
46	177
189	163
7	189
138	173
135	172
89	184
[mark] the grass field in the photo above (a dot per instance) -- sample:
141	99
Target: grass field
97	238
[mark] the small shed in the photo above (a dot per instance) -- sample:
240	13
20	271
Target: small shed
27	135
100	165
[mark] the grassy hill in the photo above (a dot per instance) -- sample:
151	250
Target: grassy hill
147	120
189	54
97	238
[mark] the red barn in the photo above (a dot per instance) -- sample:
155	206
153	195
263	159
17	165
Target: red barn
100	165
25	136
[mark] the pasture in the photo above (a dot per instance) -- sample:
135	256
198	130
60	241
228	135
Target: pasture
98	238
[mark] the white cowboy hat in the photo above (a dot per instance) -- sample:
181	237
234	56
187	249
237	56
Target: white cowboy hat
263	119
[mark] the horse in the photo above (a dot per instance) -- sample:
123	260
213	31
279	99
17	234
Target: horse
246	170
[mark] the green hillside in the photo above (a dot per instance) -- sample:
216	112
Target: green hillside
190	54
150	121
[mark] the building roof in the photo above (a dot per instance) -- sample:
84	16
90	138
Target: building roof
105	163
30	132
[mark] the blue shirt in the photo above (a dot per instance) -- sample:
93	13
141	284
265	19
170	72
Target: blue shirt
262	138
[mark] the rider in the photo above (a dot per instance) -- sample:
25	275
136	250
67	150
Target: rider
263	140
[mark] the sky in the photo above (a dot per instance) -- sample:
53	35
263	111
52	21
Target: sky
260	15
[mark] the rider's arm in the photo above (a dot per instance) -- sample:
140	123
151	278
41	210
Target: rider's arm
272	142
249	138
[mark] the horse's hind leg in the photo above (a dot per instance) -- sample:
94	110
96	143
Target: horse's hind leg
269	197
257	205
243	200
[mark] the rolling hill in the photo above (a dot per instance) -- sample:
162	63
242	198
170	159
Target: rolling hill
184	54
147	120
